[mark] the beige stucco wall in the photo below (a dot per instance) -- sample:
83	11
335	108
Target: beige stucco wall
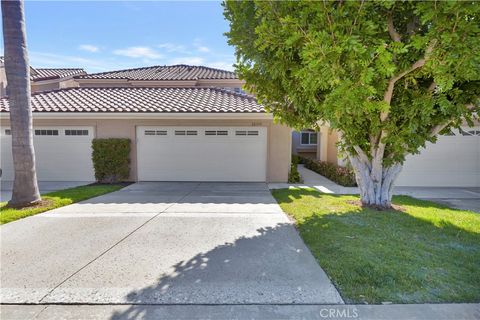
279	152
332	150
279	137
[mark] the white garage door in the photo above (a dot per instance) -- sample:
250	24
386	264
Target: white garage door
61	153
201	153
454	160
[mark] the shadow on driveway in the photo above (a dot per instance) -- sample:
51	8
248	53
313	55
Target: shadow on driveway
272	267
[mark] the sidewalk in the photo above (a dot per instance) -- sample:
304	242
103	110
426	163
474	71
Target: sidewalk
312	179
150	312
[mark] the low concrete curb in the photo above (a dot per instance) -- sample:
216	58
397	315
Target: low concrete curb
360	312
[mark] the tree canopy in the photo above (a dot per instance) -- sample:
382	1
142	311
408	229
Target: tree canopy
388	75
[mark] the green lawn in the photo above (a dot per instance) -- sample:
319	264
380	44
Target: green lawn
426	253
57	199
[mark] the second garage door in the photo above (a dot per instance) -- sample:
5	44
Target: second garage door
453	161
202	153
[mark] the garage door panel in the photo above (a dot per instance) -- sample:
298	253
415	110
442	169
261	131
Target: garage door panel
451	161
201	157
6	162
62	157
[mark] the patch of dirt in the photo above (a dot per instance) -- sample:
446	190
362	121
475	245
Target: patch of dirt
359	203
399	208
40	204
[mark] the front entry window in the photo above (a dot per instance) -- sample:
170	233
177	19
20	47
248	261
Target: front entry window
309	138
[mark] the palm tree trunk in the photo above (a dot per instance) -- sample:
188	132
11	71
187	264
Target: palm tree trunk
17	69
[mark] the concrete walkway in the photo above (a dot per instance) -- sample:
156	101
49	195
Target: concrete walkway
44	186
460	198
162	243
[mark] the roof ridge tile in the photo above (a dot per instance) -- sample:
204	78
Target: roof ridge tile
165	72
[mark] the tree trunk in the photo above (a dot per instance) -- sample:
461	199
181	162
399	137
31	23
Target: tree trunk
17	69
375	188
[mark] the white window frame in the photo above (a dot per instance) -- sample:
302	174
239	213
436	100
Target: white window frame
310	133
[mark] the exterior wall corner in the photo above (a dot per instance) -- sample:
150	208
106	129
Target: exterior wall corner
279	152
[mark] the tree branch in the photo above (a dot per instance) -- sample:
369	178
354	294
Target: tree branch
391	30
439	127
363	156
391	83
470	106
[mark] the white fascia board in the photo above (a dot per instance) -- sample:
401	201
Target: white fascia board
124	115
101	81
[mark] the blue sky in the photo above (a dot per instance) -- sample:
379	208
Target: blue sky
109	35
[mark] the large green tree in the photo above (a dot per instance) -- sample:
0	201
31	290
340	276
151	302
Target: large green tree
389	76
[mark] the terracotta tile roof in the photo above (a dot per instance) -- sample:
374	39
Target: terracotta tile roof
176	72
38	74
141	100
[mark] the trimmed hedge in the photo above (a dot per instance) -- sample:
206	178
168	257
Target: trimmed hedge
111	159
342	175
294	175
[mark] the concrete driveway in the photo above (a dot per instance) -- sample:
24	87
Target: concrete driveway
163	243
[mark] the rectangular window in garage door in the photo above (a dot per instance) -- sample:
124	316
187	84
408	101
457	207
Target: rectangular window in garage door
77	132
155	132
46	132
216	132
68	132
246	133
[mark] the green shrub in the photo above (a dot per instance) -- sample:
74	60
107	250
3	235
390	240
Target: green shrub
342	175
298	159
295	159
111	159
294	175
